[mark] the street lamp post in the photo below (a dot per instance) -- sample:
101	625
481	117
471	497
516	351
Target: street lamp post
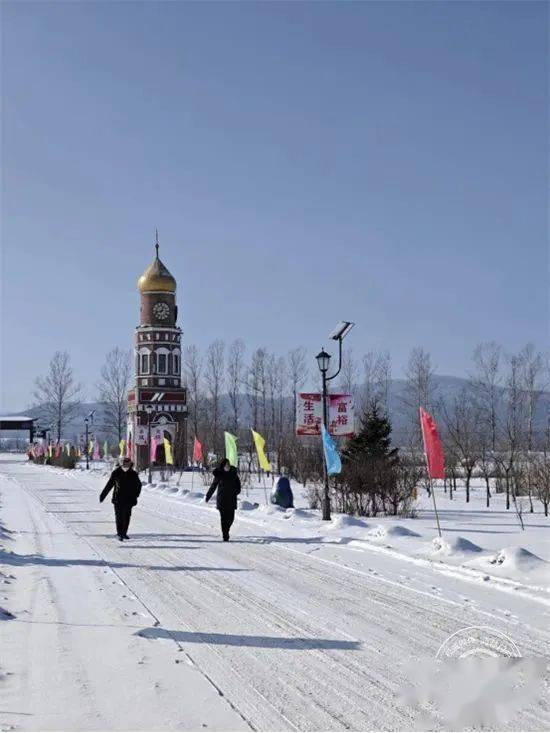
86	448
323	362
149	410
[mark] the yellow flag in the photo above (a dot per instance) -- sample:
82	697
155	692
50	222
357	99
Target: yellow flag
260	448
168	453
122	446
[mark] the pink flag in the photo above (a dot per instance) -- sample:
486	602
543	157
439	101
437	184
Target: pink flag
153	450
97	454
433	447
197	451
129	448
57	450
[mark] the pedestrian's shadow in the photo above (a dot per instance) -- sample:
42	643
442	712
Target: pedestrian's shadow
265	642
11	558
212	538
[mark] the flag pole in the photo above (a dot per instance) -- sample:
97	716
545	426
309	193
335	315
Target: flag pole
432	492
433	497
265	489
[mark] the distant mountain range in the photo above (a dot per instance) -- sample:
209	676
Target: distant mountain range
445	389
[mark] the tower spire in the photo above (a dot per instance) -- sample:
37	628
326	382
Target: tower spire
157	241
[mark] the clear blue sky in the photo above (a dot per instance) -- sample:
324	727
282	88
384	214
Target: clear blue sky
304	162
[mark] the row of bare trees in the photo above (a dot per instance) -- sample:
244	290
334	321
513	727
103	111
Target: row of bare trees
225	392
58	395
492	428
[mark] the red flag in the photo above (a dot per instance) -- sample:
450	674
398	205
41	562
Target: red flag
433	447
197	451
58	451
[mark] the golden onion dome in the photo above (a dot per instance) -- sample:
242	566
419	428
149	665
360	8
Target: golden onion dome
157	277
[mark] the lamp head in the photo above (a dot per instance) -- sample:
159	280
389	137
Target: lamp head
323	360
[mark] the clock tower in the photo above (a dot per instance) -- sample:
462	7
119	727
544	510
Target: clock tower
157	399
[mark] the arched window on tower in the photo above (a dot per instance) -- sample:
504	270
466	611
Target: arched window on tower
145	363
162	363
176	359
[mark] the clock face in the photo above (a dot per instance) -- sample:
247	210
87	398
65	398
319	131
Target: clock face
161	311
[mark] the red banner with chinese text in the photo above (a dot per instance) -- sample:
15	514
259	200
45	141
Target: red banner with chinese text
309	414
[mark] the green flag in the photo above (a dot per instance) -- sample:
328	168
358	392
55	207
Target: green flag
231	449
105	449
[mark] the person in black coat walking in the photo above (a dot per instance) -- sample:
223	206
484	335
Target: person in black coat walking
127	488
227	482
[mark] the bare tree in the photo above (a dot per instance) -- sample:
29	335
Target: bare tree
419	389
514	424
532	370
542	480
281	385
57	394
193	367
349	373
297	372
271	379
113	387
235	370
257	388
214	377
376	379
461	421
487	380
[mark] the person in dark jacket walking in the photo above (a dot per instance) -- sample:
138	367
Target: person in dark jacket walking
227	482
127	488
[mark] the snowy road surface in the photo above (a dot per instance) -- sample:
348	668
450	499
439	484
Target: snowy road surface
177	630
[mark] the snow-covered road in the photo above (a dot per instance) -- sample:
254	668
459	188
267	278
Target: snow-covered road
177	630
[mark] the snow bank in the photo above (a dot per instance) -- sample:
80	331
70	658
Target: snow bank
518	558
343	521
300	514
456	546
516	562
393	530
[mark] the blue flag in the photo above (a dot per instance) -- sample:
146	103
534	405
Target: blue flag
332	459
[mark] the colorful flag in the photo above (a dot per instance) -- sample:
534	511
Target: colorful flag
260	449
50	450
122	446
168	453
231	449
68	448
332	459
433	447
153	449
129	448
97	454
105	449
197	451
58	450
